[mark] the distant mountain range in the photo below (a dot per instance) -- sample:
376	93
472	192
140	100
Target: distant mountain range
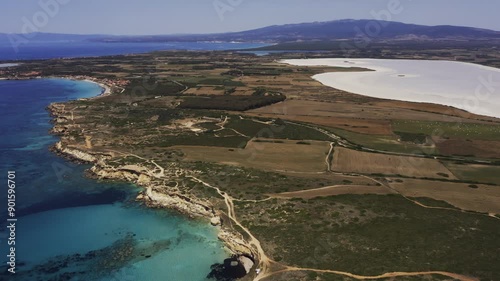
332	30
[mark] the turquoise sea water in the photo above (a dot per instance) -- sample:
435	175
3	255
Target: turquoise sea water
73	228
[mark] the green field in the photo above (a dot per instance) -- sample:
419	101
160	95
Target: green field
196	81
448	130
222	81
416	138
476	173
278	130
152	88
384	143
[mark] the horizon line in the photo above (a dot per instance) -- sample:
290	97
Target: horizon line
245	30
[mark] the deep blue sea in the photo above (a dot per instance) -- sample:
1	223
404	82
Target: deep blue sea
71	49
73	228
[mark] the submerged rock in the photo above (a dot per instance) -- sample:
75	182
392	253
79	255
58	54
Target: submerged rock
96	264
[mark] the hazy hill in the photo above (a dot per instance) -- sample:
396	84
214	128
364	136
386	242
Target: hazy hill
341	29
332	30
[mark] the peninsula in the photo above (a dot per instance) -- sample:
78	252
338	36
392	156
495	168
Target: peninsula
303	181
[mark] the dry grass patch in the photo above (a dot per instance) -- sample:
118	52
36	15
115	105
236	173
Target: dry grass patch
333	190
369	118
275	155
477	148
205	90
166	102
479	198
373	127
296	107
347	160
435	108
243	91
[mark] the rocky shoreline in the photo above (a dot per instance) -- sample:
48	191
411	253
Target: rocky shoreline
154	194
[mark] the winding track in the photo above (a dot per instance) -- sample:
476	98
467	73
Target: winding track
347	144
265	262
330	156
344	143
361	277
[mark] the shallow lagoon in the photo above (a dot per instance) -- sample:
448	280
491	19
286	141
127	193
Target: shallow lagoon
467	86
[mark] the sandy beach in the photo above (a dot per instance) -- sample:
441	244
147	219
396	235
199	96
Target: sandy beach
467	86
106	89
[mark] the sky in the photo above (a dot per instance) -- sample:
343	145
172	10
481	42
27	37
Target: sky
148	17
